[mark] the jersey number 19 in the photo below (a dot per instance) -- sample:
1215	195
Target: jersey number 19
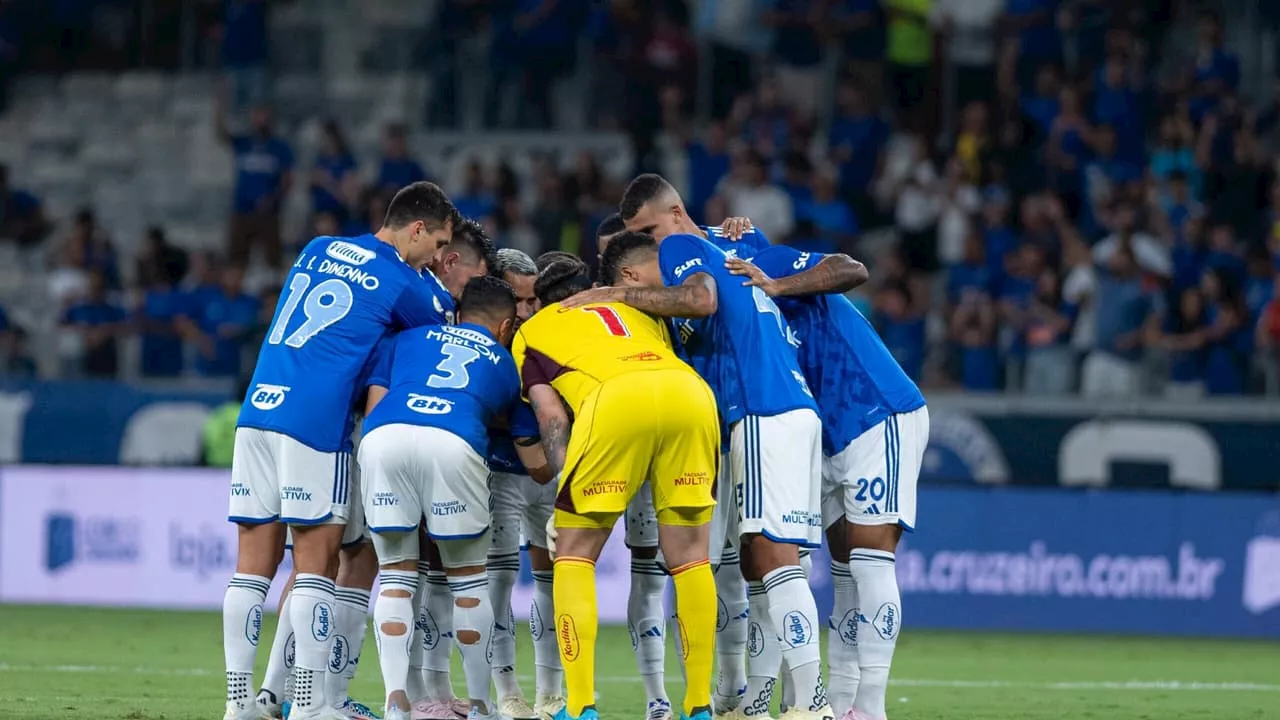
326	304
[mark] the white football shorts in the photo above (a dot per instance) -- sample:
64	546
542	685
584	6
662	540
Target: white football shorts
641	520
275	477
521	508
411	471
724	519
776	464
872	481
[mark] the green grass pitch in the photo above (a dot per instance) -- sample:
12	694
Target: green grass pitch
71	662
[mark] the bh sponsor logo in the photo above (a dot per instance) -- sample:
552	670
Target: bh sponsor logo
428	404
568	636
268	397
321	621
94	539
796	630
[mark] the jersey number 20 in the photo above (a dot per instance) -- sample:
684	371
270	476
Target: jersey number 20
612	321
326	304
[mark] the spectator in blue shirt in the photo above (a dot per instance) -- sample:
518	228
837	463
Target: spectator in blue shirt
708	165
545	34
1035	23
902	327
1041	104
972	274
1051	363
1119	102
829	213
1184	337
397	169
973	330
1228	336
97	323
163	303
475	201
244	52
21	215
1217	70
1176	153
997	235
264	171
334	175
1122	309
221	327
857	142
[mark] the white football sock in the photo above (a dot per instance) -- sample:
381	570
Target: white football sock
478	620
731	626
765	653
549	680
842	641
880	606
645	621
241	630
312	608
417	683
795	616
352	612
439	609
503	570
278	679
394	650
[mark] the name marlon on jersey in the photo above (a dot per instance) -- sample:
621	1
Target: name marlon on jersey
465	337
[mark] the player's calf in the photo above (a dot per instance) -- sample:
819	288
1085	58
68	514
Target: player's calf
261	548
357	569
842	640
644	621
879	612
685	534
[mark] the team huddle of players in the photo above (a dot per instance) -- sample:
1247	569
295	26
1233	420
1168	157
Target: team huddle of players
716	391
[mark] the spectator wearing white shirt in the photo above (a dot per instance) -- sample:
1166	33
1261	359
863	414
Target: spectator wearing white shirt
968	29
750	194
910	184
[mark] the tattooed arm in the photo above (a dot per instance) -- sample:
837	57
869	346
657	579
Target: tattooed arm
833	274
695	298
553	424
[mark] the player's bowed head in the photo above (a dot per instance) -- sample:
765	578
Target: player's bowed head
631	260
651	205
420	219
562	279
469	254
489	302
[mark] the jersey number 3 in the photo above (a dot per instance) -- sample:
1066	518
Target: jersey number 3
612	321
326	304
451	371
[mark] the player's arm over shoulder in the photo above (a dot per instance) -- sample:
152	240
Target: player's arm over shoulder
553	427
527	437
377	372
804	273
691	289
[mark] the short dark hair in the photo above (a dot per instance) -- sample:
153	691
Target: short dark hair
551	256
562	279
488	296
611	225
469	236
623	249
421	201
643	190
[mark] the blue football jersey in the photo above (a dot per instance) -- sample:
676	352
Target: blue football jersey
453	377
441	301
745	349
502	447
340	298
749	244
853	375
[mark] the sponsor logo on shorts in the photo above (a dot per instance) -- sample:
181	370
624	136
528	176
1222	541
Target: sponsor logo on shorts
429	404
802	517
268	397
567	634
692	479
290	651
349	253
886	622
755	640
641	357
385	499
796	629
239	490
321	621
253	625
605	487
452	507
293	492
338	658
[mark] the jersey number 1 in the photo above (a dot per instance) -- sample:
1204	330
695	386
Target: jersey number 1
326	304
612	321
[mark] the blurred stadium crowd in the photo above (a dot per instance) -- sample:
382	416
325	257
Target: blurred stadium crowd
1054	196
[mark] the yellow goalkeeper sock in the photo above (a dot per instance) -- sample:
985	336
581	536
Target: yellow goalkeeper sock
696	615
574	591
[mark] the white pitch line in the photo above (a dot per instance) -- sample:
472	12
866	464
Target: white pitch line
1129	685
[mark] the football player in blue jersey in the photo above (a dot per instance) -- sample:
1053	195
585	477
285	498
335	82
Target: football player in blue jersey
292	463
875	427
742	347
522	503
433	394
